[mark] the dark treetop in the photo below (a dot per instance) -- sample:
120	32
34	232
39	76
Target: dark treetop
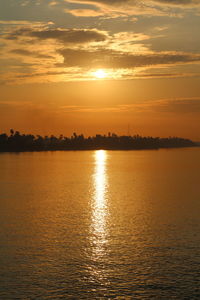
28	142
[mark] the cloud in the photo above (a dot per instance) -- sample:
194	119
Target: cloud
116	8
67	36
84	12
40	53
180	3
138	3
177	106
24	52
21	23
92	109
161	75
181	106
128	37
71	36
13	22
122	60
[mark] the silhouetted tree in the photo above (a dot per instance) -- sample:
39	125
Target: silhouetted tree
11	131
28	142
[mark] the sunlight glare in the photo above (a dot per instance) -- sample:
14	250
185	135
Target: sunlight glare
100	74
99	205
100	191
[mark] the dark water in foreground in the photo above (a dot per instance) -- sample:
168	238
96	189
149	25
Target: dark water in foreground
100	225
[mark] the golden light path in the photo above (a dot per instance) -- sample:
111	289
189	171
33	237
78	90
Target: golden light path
99	220
100	183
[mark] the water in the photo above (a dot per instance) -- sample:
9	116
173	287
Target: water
100	225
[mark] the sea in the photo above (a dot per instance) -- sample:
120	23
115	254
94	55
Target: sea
100	224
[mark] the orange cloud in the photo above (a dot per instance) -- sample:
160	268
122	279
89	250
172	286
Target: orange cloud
116	8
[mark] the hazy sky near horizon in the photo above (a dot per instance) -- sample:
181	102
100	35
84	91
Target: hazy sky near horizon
148	52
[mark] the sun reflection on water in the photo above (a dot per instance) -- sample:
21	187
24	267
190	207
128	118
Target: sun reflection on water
99	210
99	207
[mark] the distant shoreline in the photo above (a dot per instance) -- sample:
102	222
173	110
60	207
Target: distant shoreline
17	142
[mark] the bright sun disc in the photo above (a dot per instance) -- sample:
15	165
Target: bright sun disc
100	74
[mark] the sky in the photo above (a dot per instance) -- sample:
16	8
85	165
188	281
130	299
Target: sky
99	66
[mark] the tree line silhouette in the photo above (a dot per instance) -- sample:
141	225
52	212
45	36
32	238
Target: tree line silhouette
16	142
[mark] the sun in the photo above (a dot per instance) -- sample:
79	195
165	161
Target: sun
100	74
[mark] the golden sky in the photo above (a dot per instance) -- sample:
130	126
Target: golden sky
94	66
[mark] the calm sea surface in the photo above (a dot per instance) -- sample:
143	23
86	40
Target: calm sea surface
100	225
